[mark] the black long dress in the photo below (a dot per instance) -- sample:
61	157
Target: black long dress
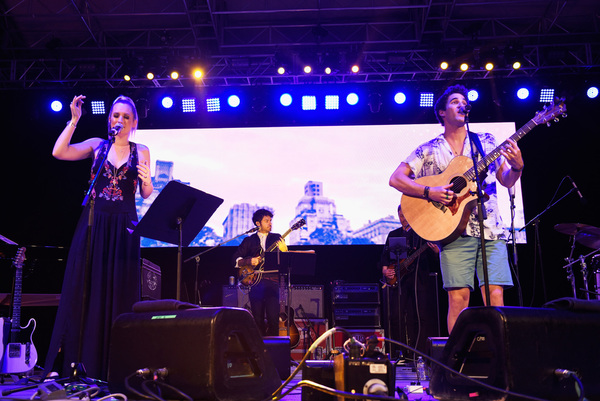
114	284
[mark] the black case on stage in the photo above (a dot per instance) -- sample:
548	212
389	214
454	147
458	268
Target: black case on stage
209	353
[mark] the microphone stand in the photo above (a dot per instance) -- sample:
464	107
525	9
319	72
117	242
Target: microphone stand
481	213
511	195
197	299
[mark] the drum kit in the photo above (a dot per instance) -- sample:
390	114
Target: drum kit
588	236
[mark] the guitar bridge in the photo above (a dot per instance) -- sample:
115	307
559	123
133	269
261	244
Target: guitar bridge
440	206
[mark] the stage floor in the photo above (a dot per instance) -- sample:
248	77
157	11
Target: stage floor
405	380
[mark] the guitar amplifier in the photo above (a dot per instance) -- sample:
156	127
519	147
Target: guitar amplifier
355	293
356	316
151	278
234	296
308	298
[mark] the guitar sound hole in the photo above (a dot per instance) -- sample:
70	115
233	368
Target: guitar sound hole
458	184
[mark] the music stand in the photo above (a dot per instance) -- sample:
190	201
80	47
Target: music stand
176	216
302	262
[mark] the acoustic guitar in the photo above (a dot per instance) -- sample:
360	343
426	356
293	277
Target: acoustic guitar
250	276
19	354
434	221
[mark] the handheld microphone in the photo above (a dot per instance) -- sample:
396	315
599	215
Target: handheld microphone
114	131
581	198
252	230
466	109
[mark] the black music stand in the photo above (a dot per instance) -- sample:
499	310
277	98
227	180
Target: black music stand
301	262
176	216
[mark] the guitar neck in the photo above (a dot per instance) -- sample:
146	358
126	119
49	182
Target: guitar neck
415	255
494	154
16	299
276	243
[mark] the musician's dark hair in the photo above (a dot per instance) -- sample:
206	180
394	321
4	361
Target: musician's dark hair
259	214
440	104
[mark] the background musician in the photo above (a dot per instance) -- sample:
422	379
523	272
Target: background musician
461	258
264	296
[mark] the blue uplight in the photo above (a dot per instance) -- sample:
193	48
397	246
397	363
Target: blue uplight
233	100
285	99
400	98
523	93
352	99
56	105
167	102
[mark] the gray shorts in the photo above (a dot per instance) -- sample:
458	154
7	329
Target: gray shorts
460	258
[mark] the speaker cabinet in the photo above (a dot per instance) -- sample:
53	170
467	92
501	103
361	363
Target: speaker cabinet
519	349
308	299
209	353
234	296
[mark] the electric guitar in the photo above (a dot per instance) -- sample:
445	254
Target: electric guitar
434	221
20	355
249	276
402	267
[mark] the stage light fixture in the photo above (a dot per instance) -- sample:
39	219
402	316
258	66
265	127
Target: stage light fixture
516	65
352	99
309	102
489	66
426	99
464	67
56	105
233	101
127	78
444	65
592	92
285	99
213	104
307	69
523	93
355	69
150	76
332	102
98	107
167	102
198	73
400	98
472	95
174	75
188	105
546	95
281	70
327	70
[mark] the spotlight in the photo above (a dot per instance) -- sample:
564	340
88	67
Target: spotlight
233	100
327	70
56	105
127	78
444	65
98	107
332	102
174	75
426	99
281	70
309	103
167	102
400	98
354	69
188	105
516	65
546	95
352	99
285	99
307	69
150	76
198	73
523	93
489	66
472	95
213	104
592	92
464	67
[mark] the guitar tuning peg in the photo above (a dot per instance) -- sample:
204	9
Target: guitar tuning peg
548	124
555	119
564	115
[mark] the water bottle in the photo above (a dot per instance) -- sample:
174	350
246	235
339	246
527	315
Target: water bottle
421	373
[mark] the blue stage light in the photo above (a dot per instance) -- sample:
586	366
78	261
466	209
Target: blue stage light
213	104
592	92
546	95
309	102
426	99
56	105
523	93
98	107
188	105
285	99
352	99
332	102
400	98
473	95
167	102
233	100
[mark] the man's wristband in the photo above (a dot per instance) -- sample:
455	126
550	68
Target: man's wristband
516	170
426	193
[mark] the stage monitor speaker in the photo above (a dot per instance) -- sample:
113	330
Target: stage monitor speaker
519	349
208	353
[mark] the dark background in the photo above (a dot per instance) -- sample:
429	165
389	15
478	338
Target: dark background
41	196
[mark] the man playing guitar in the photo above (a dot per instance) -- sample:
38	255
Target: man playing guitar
461	257
264	296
